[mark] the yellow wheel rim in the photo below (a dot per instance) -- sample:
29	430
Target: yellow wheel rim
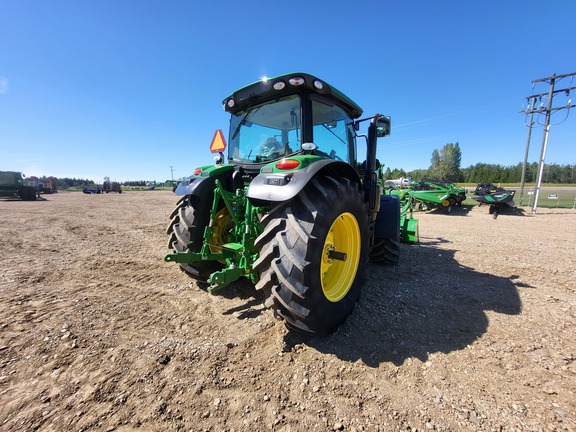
337	274
220	227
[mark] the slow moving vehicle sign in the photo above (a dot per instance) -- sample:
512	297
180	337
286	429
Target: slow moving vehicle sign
218	143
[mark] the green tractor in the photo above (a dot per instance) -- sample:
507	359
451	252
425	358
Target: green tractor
293	210
13	184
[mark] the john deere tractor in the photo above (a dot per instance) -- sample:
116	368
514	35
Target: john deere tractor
293	210
14	184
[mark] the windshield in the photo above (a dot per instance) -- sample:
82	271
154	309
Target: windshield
265	132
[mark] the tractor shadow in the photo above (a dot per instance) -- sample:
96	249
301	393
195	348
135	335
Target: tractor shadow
19	200
243	289
503	211
452	211
426	304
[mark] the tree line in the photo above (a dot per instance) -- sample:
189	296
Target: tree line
445	165
67	183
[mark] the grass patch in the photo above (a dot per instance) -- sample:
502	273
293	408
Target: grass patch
551	195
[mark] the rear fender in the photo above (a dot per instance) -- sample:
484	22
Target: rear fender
202	186
388	219
187	185
267	188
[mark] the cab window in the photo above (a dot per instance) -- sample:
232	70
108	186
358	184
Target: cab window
332	132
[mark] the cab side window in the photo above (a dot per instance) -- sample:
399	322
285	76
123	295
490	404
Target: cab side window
331	131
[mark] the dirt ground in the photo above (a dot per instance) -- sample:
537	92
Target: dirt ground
475	329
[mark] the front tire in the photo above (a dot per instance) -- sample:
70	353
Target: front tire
385	251
28	194
313	253
386	243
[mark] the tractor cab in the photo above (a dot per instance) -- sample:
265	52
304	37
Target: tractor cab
287	115
281	127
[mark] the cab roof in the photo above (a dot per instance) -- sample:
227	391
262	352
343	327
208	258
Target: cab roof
284	85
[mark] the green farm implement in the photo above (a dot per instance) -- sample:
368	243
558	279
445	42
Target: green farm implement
408	225
430	194
496	197
293	210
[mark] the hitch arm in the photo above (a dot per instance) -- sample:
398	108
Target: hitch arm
190	257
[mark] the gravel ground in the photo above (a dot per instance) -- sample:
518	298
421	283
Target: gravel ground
474	330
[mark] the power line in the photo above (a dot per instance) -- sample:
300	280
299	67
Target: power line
567	90
554	76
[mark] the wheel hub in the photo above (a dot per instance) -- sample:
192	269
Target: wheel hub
340	257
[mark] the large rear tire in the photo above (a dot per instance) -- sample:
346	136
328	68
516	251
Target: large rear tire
186	234
313	254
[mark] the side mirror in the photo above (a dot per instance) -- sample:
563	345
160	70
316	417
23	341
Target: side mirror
383	126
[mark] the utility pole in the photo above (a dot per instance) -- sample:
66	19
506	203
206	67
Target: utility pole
171	172
544	143
548	112
530	124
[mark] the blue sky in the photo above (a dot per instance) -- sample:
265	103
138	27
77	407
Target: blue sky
128	89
